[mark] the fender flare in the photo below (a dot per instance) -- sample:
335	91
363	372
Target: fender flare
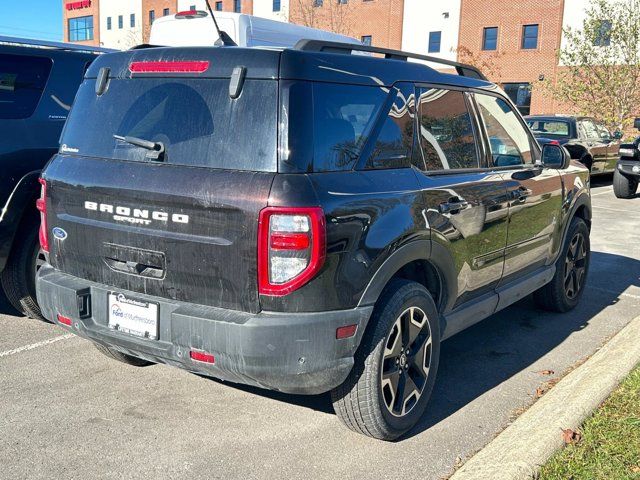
583	200
427	250
22	197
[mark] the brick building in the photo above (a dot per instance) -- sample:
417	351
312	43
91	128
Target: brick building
81	21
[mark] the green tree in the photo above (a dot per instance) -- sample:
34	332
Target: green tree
599	72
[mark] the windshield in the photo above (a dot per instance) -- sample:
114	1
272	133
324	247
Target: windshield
195	120
549	128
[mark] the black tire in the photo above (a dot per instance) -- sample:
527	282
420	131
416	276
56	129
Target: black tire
362	401
624	187
19	276
122	357
563	293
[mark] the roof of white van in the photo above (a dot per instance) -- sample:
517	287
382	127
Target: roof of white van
246	30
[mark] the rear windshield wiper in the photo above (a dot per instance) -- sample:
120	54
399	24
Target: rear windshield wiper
156	149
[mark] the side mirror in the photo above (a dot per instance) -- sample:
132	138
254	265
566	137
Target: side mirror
617	135
636	124
555	156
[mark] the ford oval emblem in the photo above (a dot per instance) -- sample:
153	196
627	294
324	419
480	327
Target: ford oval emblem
59	233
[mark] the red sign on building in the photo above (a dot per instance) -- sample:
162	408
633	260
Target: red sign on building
78	5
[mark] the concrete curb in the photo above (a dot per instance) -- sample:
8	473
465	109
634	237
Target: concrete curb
520	450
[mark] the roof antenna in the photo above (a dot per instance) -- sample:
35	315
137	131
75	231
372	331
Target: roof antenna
224	40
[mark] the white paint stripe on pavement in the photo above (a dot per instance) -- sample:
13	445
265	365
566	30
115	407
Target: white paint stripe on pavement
36	345
617	210
602	193
619	294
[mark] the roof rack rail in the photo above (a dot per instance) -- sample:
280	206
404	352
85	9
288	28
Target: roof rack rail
48	44
336	47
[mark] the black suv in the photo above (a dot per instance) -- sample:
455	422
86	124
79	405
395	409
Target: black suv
586	139
304	220
38	82
627	174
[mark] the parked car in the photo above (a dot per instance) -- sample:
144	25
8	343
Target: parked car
304	220
38	82
627	174
195	28
586	139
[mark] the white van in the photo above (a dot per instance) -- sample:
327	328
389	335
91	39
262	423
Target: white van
198	30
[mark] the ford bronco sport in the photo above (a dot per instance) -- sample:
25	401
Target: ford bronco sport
304	220
38	81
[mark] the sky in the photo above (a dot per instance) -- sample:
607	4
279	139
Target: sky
41	19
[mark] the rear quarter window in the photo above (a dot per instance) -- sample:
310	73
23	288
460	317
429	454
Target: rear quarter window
22	82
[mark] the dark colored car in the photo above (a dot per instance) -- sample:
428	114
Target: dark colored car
38	82
586	139
304	220
627	174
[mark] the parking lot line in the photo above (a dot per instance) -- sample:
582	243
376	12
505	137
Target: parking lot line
35	345
614	209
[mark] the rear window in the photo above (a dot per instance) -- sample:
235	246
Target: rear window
195	119
22	81
542	128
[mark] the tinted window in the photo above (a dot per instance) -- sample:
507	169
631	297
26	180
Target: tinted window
434	41
520	94
508	138
446	131
394	140
195	119
543	128
22	81
530	37
490	38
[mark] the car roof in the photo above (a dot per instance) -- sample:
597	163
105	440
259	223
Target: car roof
289	64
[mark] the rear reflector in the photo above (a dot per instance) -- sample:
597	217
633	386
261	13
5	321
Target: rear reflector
346	332
201	357
169	67
41	205
64	320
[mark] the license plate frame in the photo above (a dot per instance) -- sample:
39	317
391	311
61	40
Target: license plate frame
133	316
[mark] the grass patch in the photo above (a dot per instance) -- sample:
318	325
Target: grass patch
610	445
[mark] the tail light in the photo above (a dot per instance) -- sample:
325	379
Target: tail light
291	248
191	66
41	205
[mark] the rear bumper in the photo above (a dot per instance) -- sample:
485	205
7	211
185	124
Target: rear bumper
288	352
627	167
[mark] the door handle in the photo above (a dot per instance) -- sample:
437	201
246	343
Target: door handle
521	194
453	206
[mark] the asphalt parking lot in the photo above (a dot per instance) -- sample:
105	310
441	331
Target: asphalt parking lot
66	411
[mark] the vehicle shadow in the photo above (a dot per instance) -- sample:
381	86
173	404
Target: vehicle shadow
489	353
6	308
602	180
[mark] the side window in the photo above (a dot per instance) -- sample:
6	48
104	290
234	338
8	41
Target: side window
590	130
22	81
508	138
603	133
446	130
394	143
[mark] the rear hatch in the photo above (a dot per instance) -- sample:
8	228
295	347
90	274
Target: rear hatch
182	226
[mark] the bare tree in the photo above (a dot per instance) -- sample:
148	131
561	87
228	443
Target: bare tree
331	15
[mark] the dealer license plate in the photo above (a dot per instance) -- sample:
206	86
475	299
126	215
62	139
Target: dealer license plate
133	316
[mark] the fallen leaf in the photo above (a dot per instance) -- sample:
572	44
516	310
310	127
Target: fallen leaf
546	372
540	391
636	469
571	437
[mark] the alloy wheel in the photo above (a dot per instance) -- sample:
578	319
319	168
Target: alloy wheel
575	266
406	361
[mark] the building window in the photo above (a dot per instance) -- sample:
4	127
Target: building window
80	29
276	5
165	12
490	38
120	22
108	23
603	34
192	8
152	16
317	3
367	40
132	20
218	6
434	42
237	6
343	2
520	95
530	37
